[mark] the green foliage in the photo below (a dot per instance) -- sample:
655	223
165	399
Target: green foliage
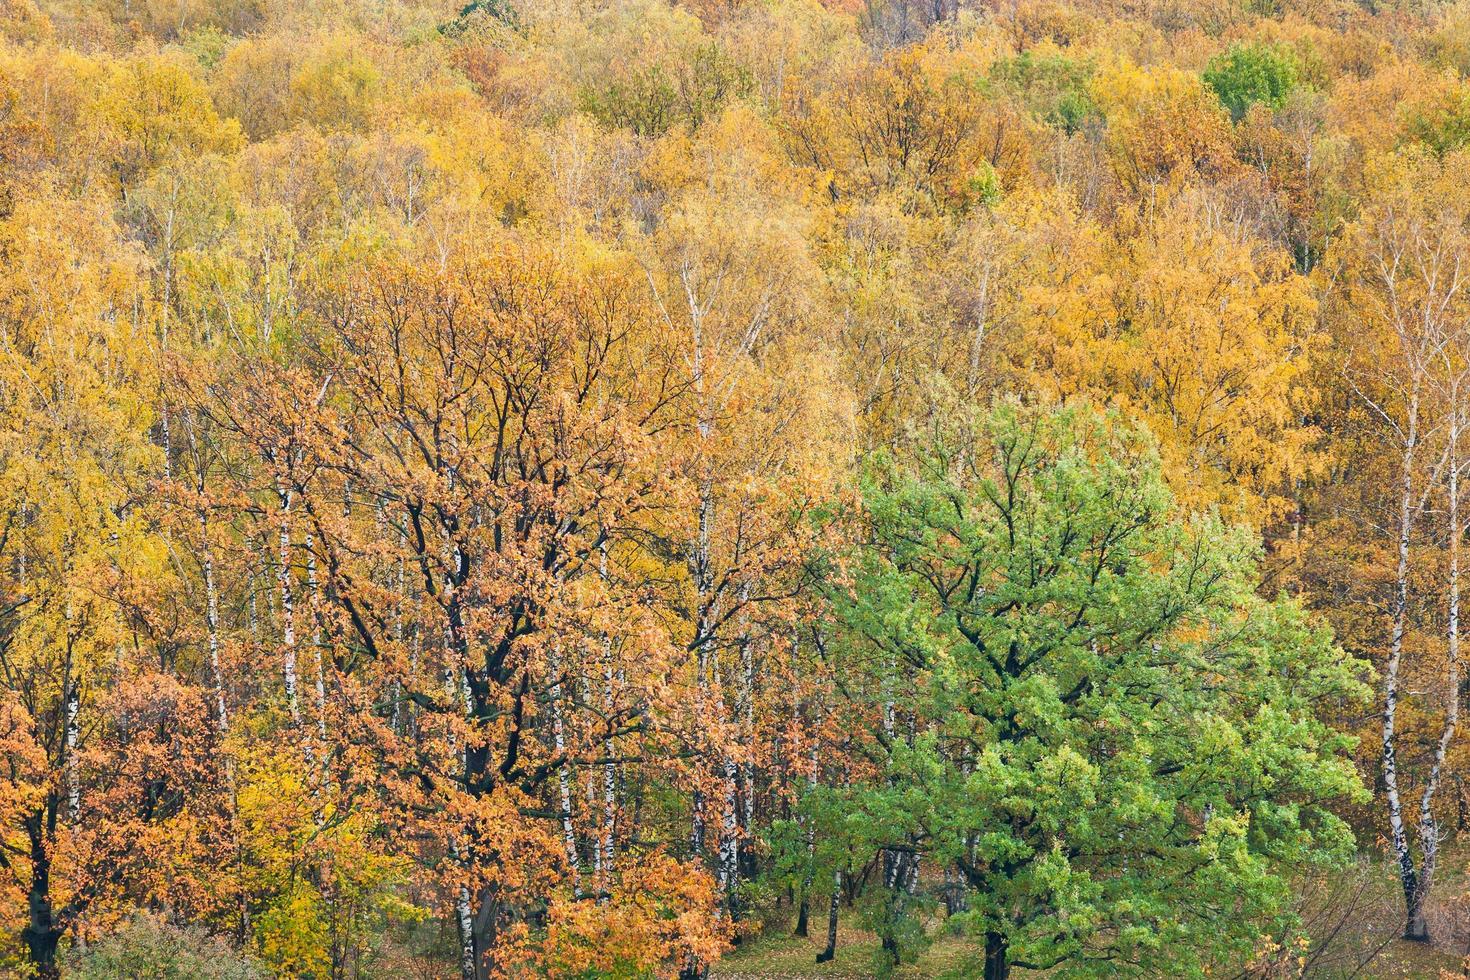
499	10
1114	739
207	45
1252	74
149	949
983	187
1052	85
1441	123
897	918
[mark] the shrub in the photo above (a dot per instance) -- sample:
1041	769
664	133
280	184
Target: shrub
147	948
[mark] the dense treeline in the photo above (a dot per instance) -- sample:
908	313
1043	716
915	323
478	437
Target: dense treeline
548	489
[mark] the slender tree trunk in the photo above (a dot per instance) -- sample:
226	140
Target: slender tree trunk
288	607
73	768
465	918
1428	825
253	608
729	855
702	569
609	790
1408	876
826	955
211	616
609	768
745	856
398	636
73	734
704	585
803	910
798	712
222	712
811	848
563	779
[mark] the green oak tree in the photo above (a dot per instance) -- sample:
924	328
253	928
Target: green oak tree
1250	74
1084	712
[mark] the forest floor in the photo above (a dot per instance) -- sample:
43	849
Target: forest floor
785	957
1355	916
952	958
779	956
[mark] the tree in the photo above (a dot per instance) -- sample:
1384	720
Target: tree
469	454
1403	271
110	777
1253	74
1113	739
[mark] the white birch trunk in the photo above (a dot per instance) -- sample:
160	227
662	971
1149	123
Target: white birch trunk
211	615
398	636
563	778
1408	875
73	733
464	913
288	607
703	581
729	855
747	725
1428	826
609	768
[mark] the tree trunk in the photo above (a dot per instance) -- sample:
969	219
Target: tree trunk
744	852
1408	875
398	632
608	833
811	829
1415	927
704	624
488	921
954	893
288	608
826	955
563	778
211	615
803	911
73	764
729	856
702	570
465	919
41	934
997	966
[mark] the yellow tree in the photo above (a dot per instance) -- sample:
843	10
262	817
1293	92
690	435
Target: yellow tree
727	266
109	747
1399	312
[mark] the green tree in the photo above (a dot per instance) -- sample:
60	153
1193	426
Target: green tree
1098	724
1252	73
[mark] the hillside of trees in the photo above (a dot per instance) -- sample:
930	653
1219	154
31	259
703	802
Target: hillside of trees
586	488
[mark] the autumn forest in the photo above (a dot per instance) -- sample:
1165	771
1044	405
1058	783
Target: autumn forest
734	488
